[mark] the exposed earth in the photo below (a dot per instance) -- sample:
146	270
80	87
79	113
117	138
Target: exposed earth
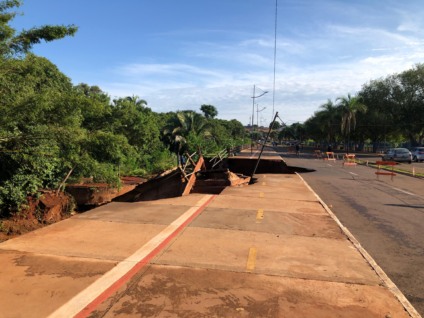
48	209
52	207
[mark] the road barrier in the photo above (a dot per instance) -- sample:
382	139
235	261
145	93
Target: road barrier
349	160
380	170
330	156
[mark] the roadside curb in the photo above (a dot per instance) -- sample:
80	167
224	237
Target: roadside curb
379	271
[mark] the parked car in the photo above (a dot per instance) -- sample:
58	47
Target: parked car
398	154
418	154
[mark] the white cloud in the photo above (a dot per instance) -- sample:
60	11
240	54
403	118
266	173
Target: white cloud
299	90
410	21
334	61
146	70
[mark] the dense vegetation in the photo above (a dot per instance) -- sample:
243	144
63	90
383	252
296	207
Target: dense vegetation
386	111
53	132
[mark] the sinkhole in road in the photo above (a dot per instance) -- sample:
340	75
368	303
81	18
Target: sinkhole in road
232	171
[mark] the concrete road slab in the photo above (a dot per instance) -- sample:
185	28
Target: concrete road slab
270	193
286	180
135	212
238	201
283	255
187	200
261	220
32	285
186	292
85	238
261	186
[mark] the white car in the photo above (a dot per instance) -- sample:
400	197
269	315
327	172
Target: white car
418	154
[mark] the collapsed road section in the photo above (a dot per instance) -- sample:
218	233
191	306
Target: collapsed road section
196	175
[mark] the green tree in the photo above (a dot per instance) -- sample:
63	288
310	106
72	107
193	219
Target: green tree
37	126
225	134
315	127
329	116
29	87
298	131
137	101
378	123
393	112
132	119
349	106
182	125
95	107
408	95
13	43
51	131
275	126
209	111
135	121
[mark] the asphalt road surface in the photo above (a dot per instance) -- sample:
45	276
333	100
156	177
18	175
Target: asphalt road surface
385	215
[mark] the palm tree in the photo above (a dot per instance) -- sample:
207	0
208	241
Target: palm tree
349	106
137	101
329	114
209	111
181	126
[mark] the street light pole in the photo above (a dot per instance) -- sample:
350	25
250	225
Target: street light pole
257	114
253	102
253	106
253	111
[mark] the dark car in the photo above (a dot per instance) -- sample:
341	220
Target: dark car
398	154
418	154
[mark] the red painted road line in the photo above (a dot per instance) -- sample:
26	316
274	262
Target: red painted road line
100	298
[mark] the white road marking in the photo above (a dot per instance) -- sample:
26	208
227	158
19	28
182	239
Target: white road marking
355	174
403	191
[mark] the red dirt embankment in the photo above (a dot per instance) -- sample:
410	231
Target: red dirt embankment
47	209
93	194
51	207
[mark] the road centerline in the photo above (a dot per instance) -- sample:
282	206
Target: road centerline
251	259
259	216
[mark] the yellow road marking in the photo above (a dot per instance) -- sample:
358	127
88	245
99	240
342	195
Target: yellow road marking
261	194
259	216
251	259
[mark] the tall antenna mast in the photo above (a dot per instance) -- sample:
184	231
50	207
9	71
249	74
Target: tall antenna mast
275	57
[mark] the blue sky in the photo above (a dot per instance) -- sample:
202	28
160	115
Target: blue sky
180	54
